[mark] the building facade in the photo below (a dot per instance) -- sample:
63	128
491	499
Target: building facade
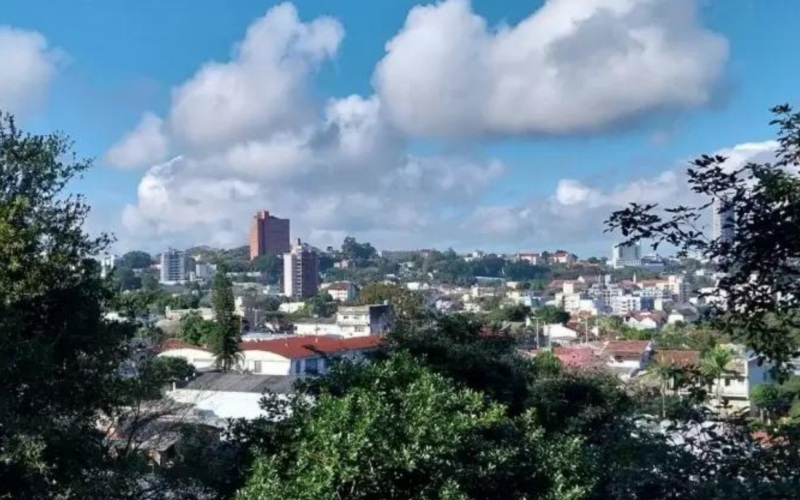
269	235
173	266
626	255
359	321
300	272
723	220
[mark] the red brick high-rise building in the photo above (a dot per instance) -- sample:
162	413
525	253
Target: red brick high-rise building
268	235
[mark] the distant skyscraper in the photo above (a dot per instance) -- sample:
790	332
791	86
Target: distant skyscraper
173	266
723	220
300	272
629	255
107	264
268	235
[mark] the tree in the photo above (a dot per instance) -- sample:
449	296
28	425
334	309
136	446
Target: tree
395	430
756	256
196	330
551	315
322	305
357	252
58	356
224	341
136	259
407	304
271	265
714	365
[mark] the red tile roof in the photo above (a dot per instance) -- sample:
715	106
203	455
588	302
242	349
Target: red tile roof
623	347
292	347
303	347
577	356
340	285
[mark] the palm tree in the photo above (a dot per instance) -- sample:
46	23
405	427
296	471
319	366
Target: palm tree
715	364
664	373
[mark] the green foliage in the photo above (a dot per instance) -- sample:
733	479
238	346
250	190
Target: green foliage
224	342
136	259
509	313
58	357
270	265
321	305
395	430
407	305
196	330
759	275
357	252
551	315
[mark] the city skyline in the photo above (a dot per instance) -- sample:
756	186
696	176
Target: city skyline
335	143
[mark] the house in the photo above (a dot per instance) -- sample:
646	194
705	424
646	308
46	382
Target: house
578	357
294	356
317	326
359	321
644	320
562	257
291	307
230	395
627	358
341	291
533	258
559	334
176	314
743	374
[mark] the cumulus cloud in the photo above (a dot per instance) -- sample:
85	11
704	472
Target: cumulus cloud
144	145
574	213
571	66
28	66
250	138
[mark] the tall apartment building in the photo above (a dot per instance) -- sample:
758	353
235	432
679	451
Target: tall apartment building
107	264
626	255
723	220
300	272
268	235
173	266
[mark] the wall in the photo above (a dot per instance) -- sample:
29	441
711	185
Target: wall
199	358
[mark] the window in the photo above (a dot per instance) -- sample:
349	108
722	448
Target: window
256	366
297	366
727	382
360	329
312	365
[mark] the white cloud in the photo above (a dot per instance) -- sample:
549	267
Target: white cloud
575	212
571	66
144	145
262	88
27	67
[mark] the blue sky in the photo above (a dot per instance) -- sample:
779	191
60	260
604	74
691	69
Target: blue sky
427	168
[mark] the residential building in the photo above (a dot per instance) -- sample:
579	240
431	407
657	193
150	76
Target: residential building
560	335
173	267
300	272
317	326
357	321
723	220
627	358
645	320
269	235
206	313
626	255
622	305
204	271
108	263
342	291
743	374
562	257
291	307
295	356
533	258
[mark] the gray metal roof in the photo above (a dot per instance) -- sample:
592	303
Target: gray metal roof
240	382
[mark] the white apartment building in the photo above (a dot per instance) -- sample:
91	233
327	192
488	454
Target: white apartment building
300	272
204	271
357	321
625	304
173	267
723	220
342	291
626	255
108	263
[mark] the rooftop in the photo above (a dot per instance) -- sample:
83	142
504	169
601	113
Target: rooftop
678	358
240	382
